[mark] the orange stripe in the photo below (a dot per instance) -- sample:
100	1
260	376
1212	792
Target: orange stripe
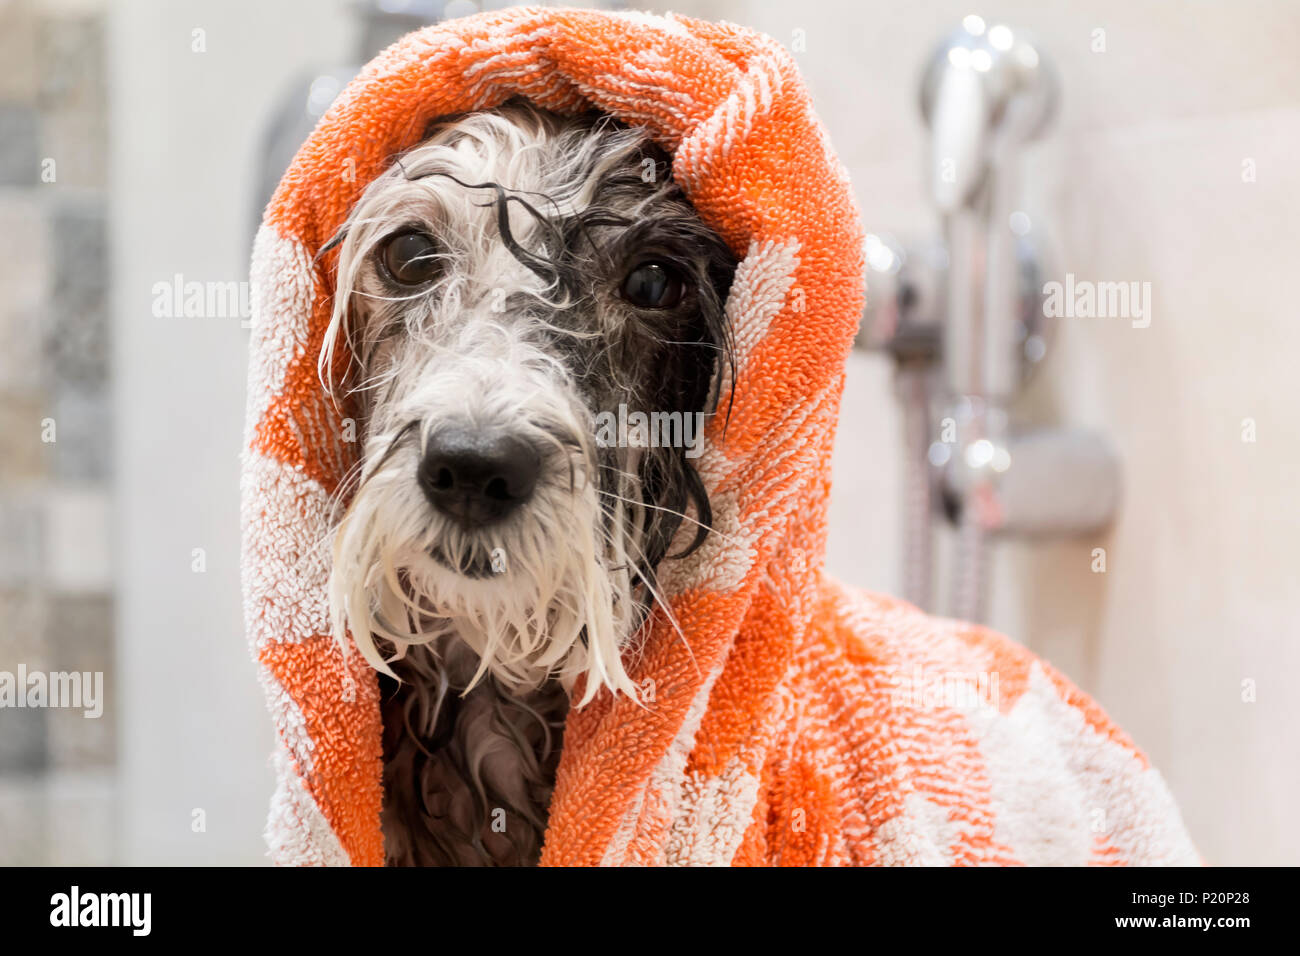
346	764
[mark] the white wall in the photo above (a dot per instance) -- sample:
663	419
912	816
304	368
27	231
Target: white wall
185	130
1140	180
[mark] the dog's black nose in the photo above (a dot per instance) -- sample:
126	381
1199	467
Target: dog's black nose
478	476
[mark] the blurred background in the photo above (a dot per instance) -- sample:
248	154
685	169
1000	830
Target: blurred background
138	140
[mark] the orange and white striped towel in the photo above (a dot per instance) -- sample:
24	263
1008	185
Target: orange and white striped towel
799	722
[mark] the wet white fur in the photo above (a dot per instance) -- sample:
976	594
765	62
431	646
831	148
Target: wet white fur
454	353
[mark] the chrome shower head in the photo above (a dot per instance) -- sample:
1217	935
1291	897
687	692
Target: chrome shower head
985	92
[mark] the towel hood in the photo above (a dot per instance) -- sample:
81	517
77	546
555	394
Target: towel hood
729	106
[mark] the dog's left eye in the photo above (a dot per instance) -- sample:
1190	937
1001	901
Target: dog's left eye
654	285
411	258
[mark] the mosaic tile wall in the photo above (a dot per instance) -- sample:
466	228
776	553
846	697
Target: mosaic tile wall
56	605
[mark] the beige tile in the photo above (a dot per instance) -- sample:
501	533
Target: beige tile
77	543
24	279
82	813
18	67
24	613
23	814
23	456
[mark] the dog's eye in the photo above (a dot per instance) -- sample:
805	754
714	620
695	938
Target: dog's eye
654	285
411	258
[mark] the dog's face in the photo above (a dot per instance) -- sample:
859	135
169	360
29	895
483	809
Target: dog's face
513	294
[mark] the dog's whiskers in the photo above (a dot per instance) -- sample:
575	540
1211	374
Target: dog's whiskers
677	514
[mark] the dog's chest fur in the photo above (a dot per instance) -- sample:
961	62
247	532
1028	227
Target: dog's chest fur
467	779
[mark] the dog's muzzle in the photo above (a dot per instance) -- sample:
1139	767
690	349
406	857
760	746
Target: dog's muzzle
477	477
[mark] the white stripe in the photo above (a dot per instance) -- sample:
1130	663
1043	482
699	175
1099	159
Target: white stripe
759	290
282	290
511	47
290	724
920	835
1057	784
731	121
297	833
285	518
641	18
668	777
712	816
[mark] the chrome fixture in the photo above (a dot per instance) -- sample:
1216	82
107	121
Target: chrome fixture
964	320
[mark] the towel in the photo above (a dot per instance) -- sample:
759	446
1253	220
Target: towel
793	720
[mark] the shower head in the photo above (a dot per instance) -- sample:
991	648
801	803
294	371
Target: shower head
985	92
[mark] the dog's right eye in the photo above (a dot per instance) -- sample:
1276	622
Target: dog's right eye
654	285
410	258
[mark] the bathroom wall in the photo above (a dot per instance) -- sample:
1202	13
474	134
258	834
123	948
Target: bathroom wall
1172	162
192	85
57	782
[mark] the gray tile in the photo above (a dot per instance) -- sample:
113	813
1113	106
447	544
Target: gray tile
24	739
83	452
19	145
81	632
77	331
22	541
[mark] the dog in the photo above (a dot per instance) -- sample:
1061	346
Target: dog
505	291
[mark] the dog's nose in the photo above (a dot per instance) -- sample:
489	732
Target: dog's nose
478	476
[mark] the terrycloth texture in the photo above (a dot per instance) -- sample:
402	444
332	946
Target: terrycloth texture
799	722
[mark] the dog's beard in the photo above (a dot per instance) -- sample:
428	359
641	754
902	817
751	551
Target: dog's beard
550	595
551	591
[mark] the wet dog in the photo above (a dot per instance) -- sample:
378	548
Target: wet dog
529	318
